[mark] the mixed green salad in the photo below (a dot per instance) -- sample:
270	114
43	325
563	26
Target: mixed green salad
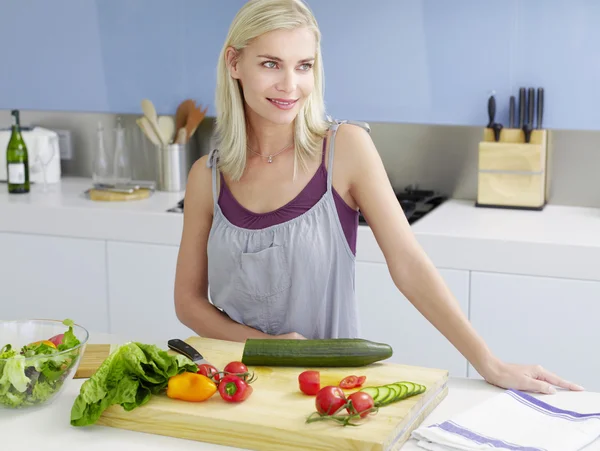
37	371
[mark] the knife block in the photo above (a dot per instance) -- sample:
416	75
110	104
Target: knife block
511	172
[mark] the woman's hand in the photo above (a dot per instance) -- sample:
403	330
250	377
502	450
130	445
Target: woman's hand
531	378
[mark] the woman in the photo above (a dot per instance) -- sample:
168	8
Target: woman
271	217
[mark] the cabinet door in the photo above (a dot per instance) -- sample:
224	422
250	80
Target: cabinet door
387	316
141	281
540	320
55	278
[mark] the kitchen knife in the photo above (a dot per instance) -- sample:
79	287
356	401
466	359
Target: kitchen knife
511	112
190	352
521	107
540	107
530	106
491	110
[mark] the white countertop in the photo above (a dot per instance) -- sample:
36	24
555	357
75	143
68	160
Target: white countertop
48	428
559	241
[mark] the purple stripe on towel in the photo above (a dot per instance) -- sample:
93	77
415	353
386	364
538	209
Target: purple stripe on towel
454	428
569	414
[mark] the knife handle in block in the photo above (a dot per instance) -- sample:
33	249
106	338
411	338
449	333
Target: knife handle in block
540	107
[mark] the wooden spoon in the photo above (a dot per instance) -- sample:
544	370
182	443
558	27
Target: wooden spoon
195	117
182	112
147	129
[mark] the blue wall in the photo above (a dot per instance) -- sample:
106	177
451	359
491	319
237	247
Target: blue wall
420	61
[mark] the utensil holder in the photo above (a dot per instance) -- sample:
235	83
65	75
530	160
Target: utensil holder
511	172
172	167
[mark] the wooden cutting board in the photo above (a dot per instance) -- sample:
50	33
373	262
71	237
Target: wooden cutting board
92	358
273	417
110	196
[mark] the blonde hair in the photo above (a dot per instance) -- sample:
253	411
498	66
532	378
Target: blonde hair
255	18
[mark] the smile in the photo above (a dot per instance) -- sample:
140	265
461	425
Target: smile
283	104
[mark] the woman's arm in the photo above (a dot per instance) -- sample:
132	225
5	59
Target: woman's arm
413	272
191	279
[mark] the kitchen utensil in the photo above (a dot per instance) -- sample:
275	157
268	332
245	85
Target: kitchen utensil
530	106
511	112
497	129
527	129
172	167
522	100
195	117
147	129
181	136
182	113
540	107
166	125
92	358
187	350
150	113
35	391
491	110
274	416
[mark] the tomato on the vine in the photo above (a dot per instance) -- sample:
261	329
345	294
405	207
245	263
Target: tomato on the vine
360	403
235	368
329	400
209	371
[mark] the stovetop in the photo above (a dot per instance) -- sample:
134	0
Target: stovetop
415	202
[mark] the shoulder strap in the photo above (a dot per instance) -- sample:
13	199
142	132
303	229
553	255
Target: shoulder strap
334	130
212	162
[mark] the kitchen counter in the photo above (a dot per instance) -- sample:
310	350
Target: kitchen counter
559	241
48	428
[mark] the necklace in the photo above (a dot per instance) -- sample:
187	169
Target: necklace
270	157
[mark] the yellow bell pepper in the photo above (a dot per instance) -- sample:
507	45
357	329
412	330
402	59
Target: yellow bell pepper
190	387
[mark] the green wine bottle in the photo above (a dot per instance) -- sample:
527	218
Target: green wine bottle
17	161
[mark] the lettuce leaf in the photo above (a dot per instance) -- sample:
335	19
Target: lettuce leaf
128	377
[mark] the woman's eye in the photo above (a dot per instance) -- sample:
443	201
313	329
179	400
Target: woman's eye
270	64
306	66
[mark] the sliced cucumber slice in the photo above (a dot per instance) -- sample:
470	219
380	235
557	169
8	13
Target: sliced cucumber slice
402	391
394	390
373	391
383	393
422	389
410	386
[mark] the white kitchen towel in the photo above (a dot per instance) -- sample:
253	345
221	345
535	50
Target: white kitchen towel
515	421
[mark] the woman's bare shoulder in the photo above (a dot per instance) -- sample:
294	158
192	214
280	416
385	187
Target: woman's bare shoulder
198	193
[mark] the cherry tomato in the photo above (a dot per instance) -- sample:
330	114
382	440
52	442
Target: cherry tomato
234	389
209	371
309	382
349	382
360	402
57	339
236	368
361	380
329	400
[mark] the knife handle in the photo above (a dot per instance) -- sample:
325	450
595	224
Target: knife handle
511	112
521	107
530	106
182	347
491	110
540	107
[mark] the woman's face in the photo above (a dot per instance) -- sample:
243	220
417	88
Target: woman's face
276	73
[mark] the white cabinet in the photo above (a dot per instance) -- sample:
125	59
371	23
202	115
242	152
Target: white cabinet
387	316
540	320
53	277
141	281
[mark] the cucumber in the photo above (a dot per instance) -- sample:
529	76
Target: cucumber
402	391
394	392
383	393
373	391
330	352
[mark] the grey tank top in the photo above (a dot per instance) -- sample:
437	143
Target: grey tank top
296	276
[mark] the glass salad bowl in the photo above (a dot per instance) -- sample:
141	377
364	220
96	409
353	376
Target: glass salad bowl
37	358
